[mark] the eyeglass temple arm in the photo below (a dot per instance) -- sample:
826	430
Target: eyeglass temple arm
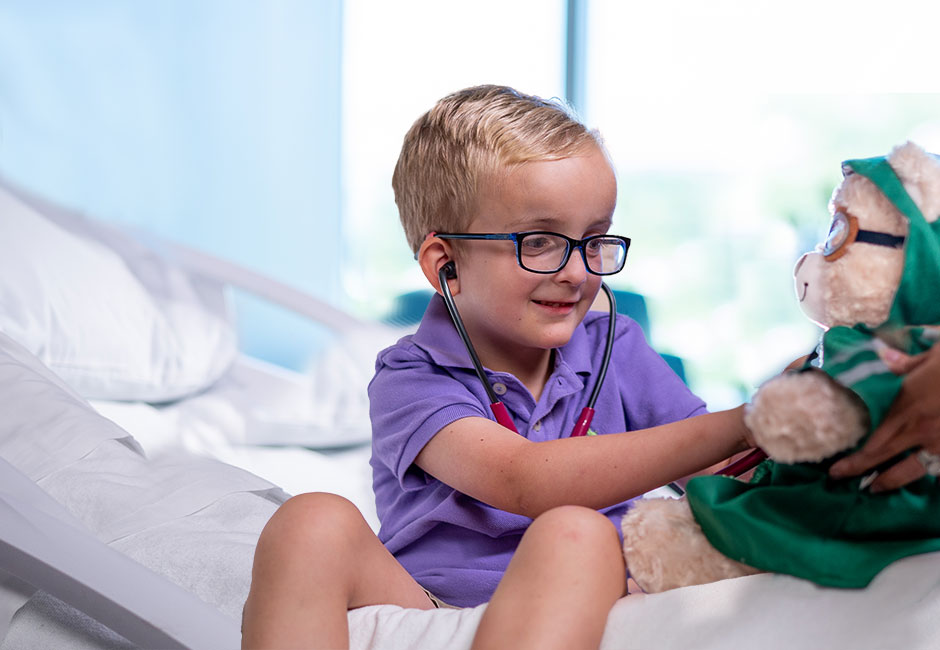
879	238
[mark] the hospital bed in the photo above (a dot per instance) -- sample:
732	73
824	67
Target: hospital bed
141	454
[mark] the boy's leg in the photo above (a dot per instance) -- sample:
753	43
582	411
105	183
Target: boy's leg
560	585
316	559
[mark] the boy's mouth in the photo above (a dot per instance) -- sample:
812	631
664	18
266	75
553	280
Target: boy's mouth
555	305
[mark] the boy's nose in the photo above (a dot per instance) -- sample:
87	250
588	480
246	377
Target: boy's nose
574	270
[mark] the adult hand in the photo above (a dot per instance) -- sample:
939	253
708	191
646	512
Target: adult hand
912	423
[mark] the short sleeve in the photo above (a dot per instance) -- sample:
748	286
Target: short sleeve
410	400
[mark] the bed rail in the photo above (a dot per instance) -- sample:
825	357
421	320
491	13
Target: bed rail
225	272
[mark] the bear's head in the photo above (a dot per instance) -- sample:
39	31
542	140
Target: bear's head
854	276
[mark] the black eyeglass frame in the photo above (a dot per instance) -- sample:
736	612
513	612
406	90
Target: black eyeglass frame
571	244
852	233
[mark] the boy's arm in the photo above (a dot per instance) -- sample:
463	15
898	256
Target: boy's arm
486	461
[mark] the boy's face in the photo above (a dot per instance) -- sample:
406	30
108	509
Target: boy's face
515	316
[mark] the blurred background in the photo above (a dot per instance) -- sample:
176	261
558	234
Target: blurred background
267	132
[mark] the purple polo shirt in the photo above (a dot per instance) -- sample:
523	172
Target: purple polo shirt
455	546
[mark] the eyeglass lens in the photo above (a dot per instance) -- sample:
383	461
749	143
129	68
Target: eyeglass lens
546	252
838	233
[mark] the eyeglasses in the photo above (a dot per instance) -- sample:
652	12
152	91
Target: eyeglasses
845	230
541	251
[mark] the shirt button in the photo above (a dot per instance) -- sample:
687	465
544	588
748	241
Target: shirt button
538	425
499	388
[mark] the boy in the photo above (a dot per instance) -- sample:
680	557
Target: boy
471	509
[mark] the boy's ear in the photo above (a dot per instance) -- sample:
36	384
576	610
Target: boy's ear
433	254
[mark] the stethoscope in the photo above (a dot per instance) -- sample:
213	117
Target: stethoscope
583	423
449	272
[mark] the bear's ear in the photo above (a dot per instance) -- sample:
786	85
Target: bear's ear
919	171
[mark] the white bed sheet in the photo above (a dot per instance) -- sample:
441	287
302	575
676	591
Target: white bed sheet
188	518
900	609
340	470
256	419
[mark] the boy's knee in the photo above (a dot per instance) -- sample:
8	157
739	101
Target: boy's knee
321	504
578	525
315	518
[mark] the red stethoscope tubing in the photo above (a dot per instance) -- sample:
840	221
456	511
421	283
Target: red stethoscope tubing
743	464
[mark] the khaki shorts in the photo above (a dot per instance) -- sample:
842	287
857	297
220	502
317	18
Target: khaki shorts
438	603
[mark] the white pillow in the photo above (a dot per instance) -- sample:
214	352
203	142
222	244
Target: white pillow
111	318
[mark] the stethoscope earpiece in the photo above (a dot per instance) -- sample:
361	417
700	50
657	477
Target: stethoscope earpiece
449	270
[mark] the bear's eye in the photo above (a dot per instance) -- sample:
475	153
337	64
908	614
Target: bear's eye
838	233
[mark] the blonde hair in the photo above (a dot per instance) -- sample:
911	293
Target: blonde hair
464	141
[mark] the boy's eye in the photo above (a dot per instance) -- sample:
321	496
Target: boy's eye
534	244
595	246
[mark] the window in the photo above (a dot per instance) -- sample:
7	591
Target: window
257	131
398	59
727	122
214	123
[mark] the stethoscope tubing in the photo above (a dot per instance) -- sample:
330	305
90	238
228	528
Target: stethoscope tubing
449	271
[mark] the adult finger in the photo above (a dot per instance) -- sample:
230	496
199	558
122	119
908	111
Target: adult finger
891	438
898	362
905	426
899	475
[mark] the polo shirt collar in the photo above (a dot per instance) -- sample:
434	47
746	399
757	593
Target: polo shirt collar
438	337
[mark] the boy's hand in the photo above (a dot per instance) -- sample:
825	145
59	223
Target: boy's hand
747	438
747	445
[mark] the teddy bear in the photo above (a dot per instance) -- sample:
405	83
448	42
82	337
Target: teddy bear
875	281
